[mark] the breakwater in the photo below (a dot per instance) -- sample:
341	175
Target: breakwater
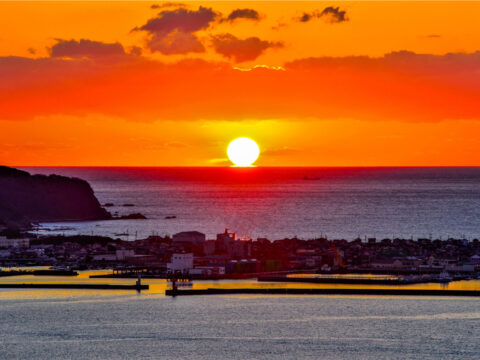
45	272
346	280
74	286
388	292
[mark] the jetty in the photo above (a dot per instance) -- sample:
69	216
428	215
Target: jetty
288	291
137	287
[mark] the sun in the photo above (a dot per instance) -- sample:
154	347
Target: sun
243	151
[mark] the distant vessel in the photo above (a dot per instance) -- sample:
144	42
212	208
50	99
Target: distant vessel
311	178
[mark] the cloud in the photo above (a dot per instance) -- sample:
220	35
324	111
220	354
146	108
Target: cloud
135	50
85	48
182	20
173	31
330	14
167	5
402	86
334	14
306	17
176	42
240	50
243	14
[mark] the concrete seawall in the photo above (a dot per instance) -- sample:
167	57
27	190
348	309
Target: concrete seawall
388	292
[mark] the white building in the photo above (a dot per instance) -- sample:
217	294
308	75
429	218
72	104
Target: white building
181	262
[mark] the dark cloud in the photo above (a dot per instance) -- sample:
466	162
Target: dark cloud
330	14
241	50
334	14
85	48
167	5
183	20
306	17
243	14
173	31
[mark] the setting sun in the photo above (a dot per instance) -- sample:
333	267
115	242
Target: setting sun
243	151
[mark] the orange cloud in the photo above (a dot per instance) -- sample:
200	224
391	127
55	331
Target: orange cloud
402	86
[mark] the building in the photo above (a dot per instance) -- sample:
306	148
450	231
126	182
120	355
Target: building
209	247
192	237
224	241
181	262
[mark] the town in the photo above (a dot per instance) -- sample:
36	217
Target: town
228	256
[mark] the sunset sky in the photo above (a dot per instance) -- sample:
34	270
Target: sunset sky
171	84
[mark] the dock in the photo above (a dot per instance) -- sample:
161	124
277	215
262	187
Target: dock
277	291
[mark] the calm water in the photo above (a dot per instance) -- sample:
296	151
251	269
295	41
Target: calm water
91	324
278	202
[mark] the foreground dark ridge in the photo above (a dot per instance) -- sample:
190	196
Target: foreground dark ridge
389	292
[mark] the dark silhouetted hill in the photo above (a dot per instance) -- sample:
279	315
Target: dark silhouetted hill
26	198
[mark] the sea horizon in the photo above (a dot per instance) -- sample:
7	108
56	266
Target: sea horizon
283	202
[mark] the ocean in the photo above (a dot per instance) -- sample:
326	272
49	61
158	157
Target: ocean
109	324
75	325
340	203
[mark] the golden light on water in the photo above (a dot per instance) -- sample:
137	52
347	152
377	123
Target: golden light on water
243	151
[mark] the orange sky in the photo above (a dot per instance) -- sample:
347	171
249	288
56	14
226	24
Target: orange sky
314	83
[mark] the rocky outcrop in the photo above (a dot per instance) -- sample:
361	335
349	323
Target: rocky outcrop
26	198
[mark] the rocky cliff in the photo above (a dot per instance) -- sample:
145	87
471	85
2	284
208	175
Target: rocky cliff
26	198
